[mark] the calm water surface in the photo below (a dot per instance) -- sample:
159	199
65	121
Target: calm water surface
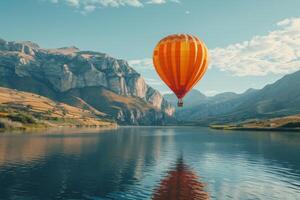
151	163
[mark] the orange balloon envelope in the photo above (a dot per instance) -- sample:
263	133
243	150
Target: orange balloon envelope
180	60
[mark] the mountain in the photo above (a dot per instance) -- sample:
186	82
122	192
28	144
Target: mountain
195	97
281	98
192	98
83	79
225	96
23	110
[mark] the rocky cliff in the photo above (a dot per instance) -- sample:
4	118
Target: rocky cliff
57	73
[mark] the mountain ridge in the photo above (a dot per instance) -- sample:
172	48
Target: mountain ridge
279	99
53	72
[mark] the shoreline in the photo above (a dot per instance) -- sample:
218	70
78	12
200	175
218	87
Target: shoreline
234	128
57	130
80	128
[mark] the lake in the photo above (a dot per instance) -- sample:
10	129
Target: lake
150	163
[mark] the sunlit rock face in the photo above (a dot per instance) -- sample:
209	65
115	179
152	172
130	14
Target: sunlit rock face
69	68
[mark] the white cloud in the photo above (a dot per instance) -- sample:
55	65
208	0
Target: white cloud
74	3
157	2
162	1
91	5
211	92
89	8
143	64
146	68
153	82
278	52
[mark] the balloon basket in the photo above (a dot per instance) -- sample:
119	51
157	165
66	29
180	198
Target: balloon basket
180	103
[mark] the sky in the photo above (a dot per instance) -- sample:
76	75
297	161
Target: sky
251	42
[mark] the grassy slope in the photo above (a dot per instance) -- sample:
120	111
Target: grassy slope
105	100
27	110
281	123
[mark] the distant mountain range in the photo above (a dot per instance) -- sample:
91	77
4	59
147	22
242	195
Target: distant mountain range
194	97
281	98
84	79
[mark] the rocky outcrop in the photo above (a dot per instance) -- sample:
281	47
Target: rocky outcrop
22	47
69	68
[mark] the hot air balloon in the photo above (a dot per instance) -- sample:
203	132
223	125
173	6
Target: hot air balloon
180	60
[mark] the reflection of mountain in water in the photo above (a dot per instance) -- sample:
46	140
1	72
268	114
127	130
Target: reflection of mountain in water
72	166
181	183
128	163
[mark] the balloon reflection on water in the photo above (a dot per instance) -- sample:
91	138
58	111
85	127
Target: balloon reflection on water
181	183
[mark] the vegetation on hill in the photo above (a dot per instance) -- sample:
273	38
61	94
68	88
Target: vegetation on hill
288	123
23	110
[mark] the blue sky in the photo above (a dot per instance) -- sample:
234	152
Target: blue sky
129	29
